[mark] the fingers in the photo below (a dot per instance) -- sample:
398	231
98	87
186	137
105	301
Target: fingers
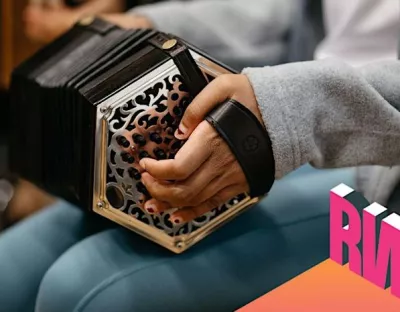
175	194
178	195
155	206
214	93
232	177
188	214
189	158
165	195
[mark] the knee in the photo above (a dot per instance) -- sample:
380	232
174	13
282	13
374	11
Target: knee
68	280
93	276
63	289
60	290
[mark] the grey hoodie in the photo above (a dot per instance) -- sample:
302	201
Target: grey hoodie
330	114
322	112
239	33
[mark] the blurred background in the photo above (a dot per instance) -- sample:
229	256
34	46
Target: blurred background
14	47
26	25
275	32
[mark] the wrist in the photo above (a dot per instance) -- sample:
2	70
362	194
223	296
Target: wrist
250	99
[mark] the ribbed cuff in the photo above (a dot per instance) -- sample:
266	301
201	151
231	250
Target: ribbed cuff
268	94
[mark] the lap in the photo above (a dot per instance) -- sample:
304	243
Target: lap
281	237
29	248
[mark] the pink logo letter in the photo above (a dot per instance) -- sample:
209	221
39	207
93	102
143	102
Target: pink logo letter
377	259
341	234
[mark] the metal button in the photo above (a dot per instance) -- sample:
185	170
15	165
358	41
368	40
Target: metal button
156	138
142	189
127	157
177	111
139	139
121	140
160	154
176	145
134	173
143	154
169	44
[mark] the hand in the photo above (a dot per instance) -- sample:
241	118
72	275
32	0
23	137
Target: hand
205	172
128	21
44	24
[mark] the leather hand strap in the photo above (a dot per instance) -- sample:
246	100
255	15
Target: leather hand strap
249	142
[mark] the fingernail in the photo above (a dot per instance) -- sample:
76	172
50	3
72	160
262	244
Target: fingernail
142	164
180	132
150	208
177	220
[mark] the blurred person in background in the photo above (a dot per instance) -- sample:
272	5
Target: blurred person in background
362	32
47	19
44	20
209	24
116	270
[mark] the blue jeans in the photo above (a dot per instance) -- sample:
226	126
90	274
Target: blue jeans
53	261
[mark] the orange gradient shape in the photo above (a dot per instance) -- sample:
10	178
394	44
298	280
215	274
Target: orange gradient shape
327	287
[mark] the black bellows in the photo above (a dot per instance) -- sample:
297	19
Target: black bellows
54	96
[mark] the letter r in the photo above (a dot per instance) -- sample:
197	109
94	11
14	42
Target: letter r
349	234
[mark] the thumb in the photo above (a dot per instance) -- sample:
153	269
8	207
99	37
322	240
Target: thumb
54	4
214	93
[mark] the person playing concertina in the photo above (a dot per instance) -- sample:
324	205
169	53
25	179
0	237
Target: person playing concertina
326	113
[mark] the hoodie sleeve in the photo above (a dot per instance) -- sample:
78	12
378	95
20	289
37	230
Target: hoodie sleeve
330	114
237	32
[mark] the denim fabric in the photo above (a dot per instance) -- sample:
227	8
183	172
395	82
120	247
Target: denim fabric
80	268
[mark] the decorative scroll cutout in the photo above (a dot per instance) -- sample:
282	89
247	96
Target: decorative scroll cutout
145	126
